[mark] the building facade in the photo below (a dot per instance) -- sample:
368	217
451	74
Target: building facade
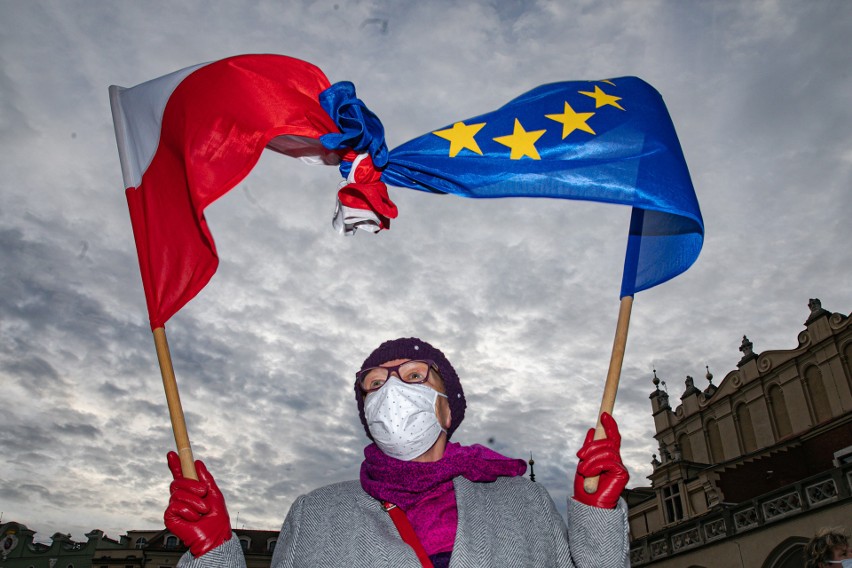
18	549
162	549
749	469
136	549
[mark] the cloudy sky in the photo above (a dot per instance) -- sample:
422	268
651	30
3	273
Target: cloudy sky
522	295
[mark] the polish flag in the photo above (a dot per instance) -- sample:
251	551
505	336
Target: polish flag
187	138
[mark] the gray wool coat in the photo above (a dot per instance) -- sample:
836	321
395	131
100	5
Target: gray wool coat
508	523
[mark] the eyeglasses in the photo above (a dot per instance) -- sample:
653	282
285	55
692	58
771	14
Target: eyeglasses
412	372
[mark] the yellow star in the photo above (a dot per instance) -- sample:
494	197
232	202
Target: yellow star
602	99
521	142
572	121
461	137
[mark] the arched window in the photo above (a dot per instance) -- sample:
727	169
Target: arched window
270	545
778	408
245	542
788	554
714	441
171	541
746	428
685	447
816	391
141	542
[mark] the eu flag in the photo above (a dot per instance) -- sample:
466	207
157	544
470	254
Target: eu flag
611	141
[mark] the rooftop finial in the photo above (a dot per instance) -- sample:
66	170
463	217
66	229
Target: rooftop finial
711	388
747	351
661	396
532	463
746	346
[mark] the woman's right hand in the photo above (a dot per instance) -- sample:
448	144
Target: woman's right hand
196	511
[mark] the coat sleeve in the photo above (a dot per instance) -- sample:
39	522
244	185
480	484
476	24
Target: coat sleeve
598	536
286	547
227	555
561	552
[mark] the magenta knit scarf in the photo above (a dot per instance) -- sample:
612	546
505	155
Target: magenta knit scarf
424	490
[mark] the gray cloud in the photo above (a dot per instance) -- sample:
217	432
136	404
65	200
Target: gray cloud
520	294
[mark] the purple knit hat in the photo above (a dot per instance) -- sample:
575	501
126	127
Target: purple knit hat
413	348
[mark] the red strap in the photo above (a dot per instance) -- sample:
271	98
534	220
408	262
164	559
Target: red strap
406	531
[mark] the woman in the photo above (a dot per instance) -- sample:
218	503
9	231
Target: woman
829	548
422	500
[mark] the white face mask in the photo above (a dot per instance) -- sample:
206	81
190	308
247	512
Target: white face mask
847	563
402	418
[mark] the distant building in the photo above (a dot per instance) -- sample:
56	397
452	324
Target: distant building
136	549
131	553
162	549
18	550
749	469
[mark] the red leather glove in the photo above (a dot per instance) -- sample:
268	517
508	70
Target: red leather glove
196	511
601	458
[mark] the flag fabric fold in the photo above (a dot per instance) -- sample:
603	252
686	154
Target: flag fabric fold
187	138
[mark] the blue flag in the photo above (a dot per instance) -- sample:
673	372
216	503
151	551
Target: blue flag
611	141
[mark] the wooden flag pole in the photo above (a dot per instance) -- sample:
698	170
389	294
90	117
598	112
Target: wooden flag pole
187	465
590	484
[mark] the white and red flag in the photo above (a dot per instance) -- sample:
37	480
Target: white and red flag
187	138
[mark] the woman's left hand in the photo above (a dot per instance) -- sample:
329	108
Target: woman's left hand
601	458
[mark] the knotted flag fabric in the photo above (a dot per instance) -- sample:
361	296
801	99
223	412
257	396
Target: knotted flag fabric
187	138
